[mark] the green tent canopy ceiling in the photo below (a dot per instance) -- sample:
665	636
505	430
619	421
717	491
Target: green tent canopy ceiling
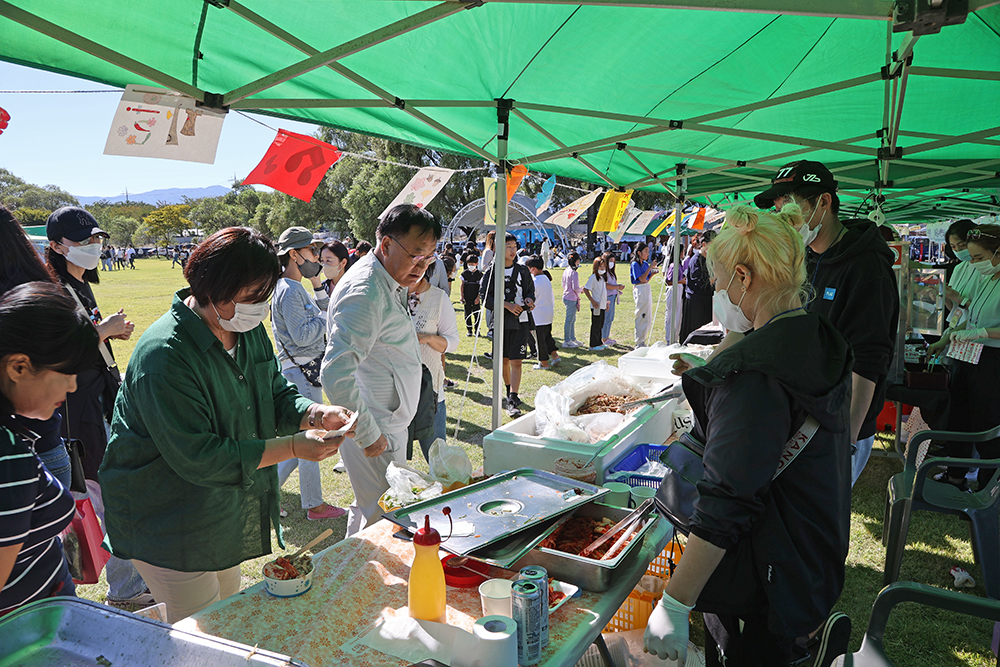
613	93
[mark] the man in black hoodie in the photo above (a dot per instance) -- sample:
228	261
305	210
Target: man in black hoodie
850	268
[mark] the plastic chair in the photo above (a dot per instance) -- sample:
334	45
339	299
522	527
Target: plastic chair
912	490
872	653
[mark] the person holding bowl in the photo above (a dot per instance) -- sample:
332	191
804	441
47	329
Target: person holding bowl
201	422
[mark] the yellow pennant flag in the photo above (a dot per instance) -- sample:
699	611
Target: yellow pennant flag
612	209
669	220
490	203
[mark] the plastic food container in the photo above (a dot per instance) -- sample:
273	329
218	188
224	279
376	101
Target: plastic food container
289	588
634	459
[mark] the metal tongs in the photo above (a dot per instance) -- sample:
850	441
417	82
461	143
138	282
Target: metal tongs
665	395
628	522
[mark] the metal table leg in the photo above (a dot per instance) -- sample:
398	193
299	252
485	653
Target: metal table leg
602	648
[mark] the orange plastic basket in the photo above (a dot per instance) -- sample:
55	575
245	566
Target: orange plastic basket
635	611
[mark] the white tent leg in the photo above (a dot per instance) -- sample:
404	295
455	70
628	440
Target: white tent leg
503	129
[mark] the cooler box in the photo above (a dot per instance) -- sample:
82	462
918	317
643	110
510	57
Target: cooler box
639	363
515	445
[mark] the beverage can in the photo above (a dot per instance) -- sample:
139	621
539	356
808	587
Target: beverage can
524	601
540	576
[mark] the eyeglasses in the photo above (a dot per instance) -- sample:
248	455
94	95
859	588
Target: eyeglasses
976	234
416	259
93	239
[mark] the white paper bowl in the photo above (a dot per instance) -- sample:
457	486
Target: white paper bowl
289	588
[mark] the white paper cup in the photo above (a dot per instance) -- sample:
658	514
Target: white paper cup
618	494
641	494
495	595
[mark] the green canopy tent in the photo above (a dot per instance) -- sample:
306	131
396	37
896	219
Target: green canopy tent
563	88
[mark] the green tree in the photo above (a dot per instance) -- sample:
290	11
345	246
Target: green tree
165	222
122	229
16	193
32	217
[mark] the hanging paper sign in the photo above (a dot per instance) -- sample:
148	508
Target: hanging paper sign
937	230
514	179
294	164
544	198
567	215
639	224
611	211
422	188
5	118
667	221
157	122
490	202
630	216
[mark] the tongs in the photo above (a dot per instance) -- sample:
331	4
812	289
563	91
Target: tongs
665	395
631	518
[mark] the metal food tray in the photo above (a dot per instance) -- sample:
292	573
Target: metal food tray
589	574
500	506
71	632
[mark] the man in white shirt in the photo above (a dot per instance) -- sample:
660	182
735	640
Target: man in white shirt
372	361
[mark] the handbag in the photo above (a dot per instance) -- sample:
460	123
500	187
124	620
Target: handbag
685	464
93	556
78	483
310	370
422	424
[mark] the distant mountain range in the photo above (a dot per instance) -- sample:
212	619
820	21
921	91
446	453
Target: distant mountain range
169	195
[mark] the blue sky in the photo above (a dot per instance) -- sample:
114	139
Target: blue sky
59	139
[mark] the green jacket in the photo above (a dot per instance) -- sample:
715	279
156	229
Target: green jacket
179	480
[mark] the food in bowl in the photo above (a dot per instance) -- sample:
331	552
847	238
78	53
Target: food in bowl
285	577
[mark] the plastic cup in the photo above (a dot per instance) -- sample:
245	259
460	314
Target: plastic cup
641	494
495	595
618	494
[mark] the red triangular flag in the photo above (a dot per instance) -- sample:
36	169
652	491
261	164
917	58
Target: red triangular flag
294	164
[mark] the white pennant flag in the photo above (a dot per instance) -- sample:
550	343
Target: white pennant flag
639	225
569	214
490	202
421	189
157	122
631	213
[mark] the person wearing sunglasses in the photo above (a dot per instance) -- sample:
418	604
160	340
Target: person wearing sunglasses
373	363
975	393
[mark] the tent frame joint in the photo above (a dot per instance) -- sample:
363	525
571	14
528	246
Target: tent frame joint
621	145
399	104
219	4
884	153
676	125
213	101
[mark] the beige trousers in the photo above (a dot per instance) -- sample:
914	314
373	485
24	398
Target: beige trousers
186	593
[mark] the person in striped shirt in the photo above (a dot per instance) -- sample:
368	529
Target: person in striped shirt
45	340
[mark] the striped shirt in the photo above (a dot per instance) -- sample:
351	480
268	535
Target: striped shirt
34	509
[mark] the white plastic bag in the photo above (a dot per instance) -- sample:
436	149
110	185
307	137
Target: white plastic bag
599	424
450	465
598	378
407	486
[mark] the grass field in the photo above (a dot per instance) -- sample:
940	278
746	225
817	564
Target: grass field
915	636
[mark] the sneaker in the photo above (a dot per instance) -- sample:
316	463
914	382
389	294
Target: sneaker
610	342
449	383
831	640
943	478
598	348
488	355
340	467
282	512
143	599
570	343
330	512
539	367
555	362
513	406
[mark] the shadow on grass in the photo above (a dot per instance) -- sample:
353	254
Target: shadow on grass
298	529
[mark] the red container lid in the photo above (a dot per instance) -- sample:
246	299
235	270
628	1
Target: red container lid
427	536
460	577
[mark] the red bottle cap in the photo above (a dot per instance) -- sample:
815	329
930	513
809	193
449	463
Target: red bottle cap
427	536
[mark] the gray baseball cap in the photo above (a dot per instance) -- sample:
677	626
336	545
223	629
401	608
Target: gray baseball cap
294	238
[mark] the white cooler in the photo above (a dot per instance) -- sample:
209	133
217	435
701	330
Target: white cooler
515	445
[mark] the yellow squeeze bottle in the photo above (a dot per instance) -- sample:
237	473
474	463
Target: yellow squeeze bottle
426	595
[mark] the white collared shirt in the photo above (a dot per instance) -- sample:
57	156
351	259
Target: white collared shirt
372	361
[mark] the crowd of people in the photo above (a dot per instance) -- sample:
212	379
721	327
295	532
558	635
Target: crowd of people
215	417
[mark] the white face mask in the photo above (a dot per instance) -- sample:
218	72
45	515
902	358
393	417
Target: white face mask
611	265
246	318
85	256
600	272
808	233
729	314
986	267
473	267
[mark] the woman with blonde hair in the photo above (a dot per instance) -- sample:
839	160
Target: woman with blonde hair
766	553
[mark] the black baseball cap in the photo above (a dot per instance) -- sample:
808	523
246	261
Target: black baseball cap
793	176
73	223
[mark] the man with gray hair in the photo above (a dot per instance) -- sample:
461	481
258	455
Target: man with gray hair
372	363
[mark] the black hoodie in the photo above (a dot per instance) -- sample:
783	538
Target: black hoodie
855	288
786	540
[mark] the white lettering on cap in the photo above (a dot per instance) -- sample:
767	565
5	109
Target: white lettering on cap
811	178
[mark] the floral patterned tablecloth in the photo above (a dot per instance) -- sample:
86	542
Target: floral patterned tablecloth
362	577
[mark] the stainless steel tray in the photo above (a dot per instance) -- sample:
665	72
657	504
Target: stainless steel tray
71	632
500	507
589	574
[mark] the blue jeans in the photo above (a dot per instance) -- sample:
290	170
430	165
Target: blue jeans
310	484
56	461
860	457
124	581
569	329
609	317
440	431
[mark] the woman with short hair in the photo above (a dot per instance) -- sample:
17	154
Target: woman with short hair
201	422
766	553
45	341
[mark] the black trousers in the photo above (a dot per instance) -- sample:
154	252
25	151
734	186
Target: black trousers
728	646
596	326
975	406
472	316
546	344
696	311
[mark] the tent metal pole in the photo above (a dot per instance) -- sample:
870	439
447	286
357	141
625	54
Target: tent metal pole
499	256
277	103
675	307
930	135
937	186
951	141
780	138
548	135
76	41
886	104
970	169
955	73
